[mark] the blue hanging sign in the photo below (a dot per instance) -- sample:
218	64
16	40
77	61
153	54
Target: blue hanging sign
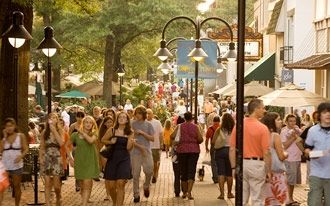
186	65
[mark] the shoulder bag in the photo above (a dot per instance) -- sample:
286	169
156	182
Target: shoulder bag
107	150
220	140
277	164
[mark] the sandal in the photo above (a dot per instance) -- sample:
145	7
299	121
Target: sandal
221	197
294	203
230	195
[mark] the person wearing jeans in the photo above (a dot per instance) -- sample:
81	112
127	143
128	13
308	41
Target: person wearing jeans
318	140
141	155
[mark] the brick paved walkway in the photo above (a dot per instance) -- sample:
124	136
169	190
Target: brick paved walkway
205	193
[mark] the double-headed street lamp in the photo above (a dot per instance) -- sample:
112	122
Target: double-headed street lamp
49	47
17	35
121	73
197	53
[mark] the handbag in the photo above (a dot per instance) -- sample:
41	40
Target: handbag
4	179
220	140
106	151
277	164
177	136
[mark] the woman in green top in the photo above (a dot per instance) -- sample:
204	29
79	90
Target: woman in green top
86	164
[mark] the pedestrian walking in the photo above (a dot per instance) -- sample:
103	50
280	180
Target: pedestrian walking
50	157
276	189
221	142
188	152
318	148
256	154
14	147
85	162
175	162
141	155
156	144
167	135
209	136
118	166
292	142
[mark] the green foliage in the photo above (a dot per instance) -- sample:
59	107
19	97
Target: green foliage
162	113
141	92
82	26
280	110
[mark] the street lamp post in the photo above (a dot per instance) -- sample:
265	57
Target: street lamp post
17	35
121	73
197	53
49	47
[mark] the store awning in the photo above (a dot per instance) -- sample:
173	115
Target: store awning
317	61
264	69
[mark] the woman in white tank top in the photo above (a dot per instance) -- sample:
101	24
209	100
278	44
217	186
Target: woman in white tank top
13	147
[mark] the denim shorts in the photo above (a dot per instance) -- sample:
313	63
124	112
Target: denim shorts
15	172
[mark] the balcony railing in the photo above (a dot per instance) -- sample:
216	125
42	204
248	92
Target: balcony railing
286	55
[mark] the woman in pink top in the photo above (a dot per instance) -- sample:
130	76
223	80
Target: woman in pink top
188	152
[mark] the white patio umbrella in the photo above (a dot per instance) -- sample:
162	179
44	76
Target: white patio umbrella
225	89
292	96
251	89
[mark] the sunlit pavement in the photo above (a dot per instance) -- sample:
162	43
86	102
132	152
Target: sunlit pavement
161	193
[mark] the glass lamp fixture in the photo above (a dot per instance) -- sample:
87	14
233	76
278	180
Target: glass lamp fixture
121	70
231	55
49	45
164	66
16	33
163	53
198	54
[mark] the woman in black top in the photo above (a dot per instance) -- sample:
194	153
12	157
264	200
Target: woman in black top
118	166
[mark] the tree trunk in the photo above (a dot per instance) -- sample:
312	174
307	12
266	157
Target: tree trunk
108	70
56	78
14	91
117	64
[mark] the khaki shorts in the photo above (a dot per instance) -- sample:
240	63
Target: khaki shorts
156	155
293	171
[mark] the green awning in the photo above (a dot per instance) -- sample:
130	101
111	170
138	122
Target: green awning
264	69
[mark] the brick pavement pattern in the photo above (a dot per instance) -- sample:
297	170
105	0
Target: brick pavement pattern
161	193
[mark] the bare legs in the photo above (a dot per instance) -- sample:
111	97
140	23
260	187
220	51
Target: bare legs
222	180
86	189
17	188
49	183
116	190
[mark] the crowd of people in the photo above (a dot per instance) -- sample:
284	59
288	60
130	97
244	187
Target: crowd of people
134	139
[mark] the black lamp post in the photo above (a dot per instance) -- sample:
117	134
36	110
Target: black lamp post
240	103
197	53
121	73
49	47
17	35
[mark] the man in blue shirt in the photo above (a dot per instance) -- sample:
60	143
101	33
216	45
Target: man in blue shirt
318	139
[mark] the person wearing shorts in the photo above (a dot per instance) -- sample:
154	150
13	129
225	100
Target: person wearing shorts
290	140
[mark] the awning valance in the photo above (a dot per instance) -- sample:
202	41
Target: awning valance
264	69
317	61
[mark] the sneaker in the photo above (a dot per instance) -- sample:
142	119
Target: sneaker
177	194
77	189
146	192
136	199
154	180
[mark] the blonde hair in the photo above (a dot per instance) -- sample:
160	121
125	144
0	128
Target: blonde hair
95	129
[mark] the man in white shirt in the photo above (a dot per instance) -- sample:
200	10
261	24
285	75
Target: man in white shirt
156	144
66	117
128	105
